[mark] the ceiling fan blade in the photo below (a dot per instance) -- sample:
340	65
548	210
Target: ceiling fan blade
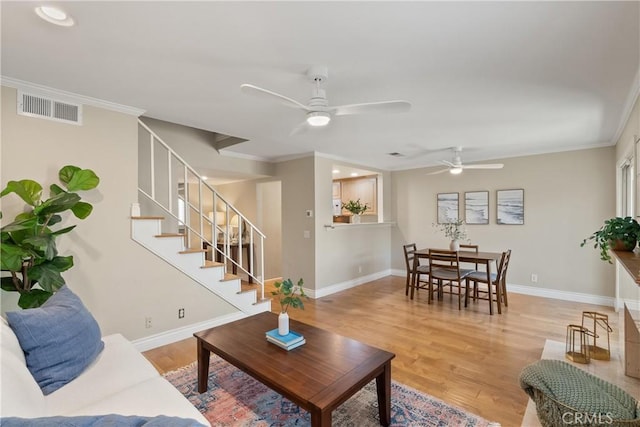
451	165
437	172
372	107
265	93
300	128
484	166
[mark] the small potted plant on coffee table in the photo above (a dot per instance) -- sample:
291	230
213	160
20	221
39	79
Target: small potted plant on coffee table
289	295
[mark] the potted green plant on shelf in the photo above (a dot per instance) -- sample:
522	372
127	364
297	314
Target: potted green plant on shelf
289	295
455	231
356	208
28	251
619	233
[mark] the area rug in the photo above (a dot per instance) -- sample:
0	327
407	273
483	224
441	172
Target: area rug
235	399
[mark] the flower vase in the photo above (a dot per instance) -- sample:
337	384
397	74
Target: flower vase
454	245
355	219
283	324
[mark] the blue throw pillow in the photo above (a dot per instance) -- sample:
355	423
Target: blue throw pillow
59	339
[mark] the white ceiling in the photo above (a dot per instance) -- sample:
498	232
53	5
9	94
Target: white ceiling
498	78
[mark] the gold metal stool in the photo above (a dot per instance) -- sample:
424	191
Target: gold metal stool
602	321
577	344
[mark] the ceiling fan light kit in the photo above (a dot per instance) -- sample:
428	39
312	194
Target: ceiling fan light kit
318	118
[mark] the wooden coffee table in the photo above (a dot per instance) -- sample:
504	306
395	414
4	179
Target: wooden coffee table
318	376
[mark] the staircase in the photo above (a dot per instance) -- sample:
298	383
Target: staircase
183	215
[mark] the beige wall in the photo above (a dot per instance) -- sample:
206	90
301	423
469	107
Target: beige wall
270	222
119	280
346	252
298	252
567	197
194	146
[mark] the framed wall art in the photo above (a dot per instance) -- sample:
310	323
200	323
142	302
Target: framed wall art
510	206
476	207
447	207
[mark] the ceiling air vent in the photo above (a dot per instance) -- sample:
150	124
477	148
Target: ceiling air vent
48	108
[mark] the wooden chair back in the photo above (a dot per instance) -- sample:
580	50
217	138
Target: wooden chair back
472	248
409	251
444	264
502	275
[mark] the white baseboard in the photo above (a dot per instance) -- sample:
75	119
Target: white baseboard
562	295
173	335
399	272
552	293
338	287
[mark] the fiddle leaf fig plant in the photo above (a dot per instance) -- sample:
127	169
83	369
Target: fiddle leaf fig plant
290	295
616	233
29	258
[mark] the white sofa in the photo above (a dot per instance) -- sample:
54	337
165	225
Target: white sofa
120	381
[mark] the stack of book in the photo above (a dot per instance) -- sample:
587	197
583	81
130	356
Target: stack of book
288	342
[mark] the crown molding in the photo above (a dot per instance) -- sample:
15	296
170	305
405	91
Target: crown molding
38	89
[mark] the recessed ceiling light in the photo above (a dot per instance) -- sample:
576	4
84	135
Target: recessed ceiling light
354	173
54	15
204	177
335	171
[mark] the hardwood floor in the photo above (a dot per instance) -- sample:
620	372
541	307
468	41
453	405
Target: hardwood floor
466	358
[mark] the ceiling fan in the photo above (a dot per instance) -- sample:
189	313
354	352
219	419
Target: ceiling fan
456	167
318	111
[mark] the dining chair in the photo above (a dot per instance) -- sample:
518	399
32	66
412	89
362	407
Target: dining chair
496	289
503	294
414	277
472	248
444	270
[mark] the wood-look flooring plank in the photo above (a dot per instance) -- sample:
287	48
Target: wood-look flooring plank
466	358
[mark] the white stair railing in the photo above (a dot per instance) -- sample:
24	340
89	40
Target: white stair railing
172	187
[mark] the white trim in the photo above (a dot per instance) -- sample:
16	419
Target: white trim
631	304
338	287
339	225
62	95
173	335
561	295
628	107
399	272
533	151
229	153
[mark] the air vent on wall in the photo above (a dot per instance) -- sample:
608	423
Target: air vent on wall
47	108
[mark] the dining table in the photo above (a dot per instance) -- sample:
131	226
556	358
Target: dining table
473	257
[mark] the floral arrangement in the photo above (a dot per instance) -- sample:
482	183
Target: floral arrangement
355	207
288	294
454	230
